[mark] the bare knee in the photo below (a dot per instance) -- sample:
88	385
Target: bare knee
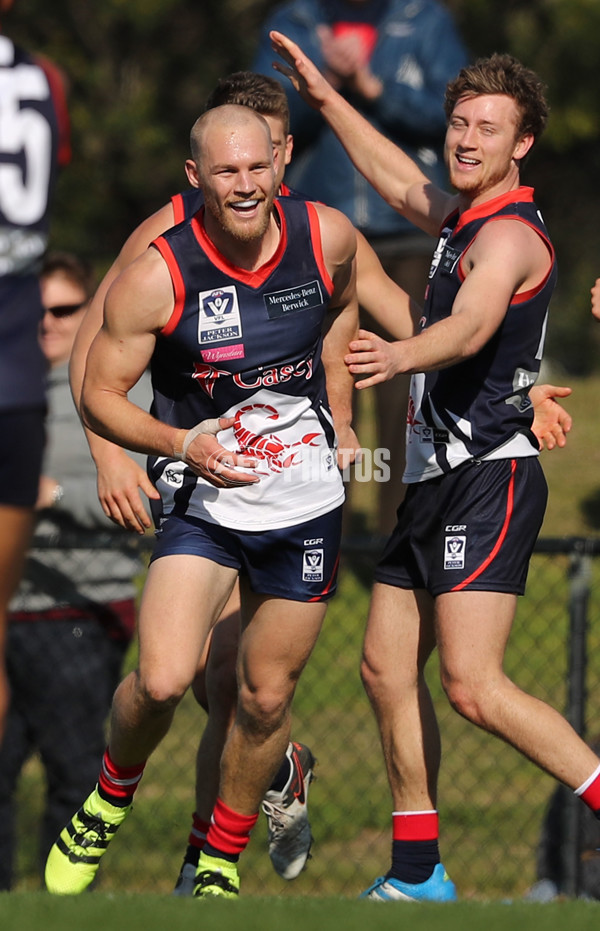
468	698
387	683
262	711
158	692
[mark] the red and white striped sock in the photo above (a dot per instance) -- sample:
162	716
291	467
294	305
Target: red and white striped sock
117	784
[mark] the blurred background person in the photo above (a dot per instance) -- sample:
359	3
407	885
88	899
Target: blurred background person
34	141
73	616
392	60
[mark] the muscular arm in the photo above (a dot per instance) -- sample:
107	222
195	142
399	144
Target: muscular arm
391	172
137	306
120	478
506	257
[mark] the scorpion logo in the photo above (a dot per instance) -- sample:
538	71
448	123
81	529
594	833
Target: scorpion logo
269	448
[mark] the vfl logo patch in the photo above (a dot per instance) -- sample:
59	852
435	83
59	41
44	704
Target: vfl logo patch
312	566
454	552
219	318
292	300
433	435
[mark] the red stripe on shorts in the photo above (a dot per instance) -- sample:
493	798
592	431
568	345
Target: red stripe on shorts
509	510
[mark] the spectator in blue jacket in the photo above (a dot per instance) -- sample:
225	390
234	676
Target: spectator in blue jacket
392	59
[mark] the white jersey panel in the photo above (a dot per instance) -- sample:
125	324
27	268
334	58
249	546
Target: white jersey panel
299	477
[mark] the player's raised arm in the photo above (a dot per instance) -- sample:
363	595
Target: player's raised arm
391	172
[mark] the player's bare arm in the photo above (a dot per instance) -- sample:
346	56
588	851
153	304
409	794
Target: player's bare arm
339	251
120	478
137	307
381	297
506	258
391	172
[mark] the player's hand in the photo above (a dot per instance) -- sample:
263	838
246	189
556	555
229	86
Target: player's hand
207	458
120	480
304	75
551	421
372	358
596	298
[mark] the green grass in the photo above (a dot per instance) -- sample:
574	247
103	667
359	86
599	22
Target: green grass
36	912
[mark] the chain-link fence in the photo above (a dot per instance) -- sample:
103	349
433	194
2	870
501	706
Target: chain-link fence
491	800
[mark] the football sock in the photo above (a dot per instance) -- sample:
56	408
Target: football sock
589	792
415	848
229	833
197	839
117	784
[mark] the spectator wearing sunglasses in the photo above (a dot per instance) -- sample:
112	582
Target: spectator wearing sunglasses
73	616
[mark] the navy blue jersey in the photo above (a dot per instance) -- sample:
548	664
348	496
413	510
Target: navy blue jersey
247	345
479	408
32	119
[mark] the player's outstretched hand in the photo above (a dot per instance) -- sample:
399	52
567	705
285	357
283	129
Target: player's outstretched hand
551	421
372	359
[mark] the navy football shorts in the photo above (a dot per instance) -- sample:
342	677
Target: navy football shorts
22	441
299	563
472	529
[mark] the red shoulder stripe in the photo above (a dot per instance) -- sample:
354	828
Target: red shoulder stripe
178	286
315	235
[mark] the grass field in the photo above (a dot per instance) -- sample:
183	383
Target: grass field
37	912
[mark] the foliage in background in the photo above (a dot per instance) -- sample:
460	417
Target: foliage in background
140	71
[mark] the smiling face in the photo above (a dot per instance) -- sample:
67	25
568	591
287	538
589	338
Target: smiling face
234	168
482	148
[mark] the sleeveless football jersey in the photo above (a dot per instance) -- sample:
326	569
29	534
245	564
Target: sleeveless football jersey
247	345
479	408
32	117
